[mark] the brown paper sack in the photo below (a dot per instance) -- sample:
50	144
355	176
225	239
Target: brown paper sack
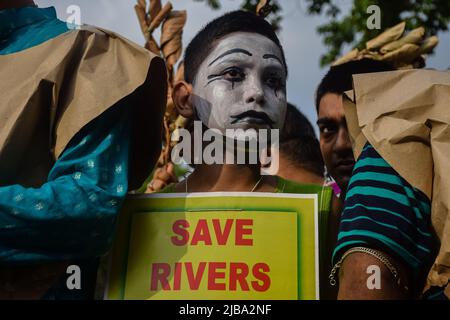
49	92
405	115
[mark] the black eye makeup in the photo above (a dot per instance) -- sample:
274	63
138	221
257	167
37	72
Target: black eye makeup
275	81
232	74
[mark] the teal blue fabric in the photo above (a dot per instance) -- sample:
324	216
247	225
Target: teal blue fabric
27	27
384	212
71	216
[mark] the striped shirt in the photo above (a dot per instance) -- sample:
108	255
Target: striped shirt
384	212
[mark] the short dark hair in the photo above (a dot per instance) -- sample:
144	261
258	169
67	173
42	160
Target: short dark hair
235	21
298	142
339	78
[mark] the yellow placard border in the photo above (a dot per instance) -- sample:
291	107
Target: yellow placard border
172	202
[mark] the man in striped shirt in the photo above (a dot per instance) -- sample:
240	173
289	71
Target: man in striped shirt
385	227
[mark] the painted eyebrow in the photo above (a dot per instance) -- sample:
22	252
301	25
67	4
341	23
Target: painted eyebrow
268	56
237	50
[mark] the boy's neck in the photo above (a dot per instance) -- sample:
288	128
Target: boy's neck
228	177
10	4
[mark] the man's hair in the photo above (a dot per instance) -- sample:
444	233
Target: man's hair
339	78
235	21
298	142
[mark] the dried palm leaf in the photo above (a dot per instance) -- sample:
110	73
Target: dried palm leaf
171	35
154	9
387	36
403	52
429	44
414	37
263	8
352	55
162	14
404	55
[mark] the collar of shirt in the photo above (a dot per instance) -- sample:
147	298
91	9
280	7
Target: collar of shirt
14	19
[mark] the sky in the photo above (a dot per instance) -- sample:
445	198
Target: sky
302	44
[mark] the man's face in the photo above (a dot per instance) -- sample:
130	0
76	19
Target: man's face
241	84
335	142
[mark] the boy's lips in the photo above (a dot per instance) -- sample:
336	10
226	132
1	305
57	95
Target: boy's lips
253	117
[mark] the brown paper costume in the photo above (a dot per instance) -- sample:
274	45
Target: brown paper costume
49	92
405	115
54	89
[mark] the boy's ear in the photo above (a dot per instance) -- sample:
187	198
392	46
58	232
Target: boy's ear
182	99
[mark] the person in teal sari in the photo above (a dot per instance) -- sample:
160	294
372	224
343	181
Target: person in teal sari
69	218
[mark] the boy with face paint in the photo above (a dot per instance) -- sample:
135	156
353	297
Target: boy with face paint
235	78
235	74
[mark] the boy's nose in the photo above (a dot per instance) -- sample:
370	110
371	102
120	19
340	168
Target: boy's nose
254	93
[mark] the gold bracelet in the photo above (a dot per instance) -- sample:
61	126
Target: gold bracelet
374	253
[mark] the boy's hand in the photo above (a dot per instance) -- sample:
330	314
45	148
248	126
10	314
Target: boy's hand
162	177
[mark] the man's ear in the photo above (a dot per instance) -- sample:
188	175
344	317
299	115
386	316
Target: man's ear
182	99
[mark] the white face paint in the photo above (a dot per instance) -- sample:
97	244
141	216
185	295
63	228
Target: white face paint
241	84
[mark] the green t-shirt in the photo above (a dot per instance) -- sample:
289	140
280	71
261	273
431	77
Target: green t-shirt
324	193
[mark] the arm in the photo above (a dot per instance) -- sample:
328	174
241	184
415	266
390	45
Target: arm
357	279
385	214
72	215
162	177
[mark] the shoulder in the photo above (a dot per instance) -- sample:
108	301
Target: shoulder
289	186
104	39
324	193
